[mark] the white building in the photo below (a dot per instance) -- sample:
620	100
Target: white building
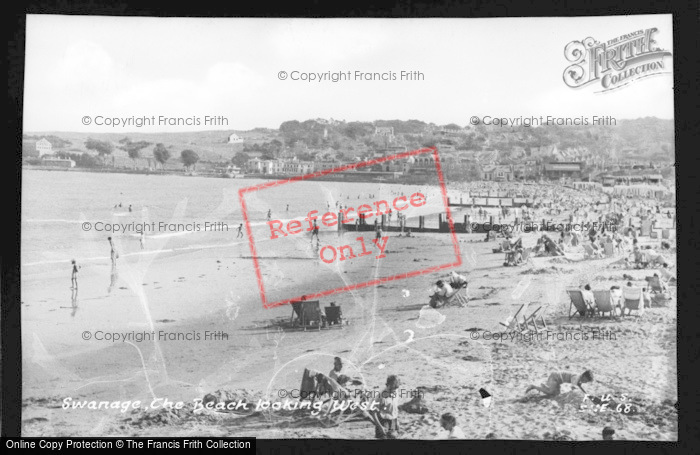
44	147
235	139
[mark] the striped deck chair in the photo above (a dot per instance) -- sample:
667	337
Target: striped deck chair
577	302
604	303
458	296
632	300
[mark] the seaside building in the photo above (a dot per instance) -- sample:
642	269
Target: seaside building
386	132
559	169
499	173
235	139
43	147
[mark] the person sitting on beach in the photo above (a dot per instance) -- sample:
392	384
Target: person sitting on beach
449	423
616	295
553	386
640	258
608	434
589	298
646	297
387	410
443	292
336	372
458	281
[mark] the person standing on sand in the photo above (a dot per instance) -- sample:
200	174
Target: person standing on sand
387	410
142	239
314	233
129	207
269	214
74	275
113	255
240	231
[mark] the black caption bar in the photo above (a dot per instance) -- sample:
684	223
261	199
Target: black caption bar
245	445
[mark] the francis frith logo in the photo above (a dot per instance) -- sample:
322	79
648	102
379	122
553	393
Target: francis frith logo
615	63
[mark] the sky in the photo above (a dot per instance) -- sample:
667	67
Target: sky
121	67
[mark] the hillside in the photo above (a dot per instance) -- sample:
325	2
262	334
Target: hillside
644	139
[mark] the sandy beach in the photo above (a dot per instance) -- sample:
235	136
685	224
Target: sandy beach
445	354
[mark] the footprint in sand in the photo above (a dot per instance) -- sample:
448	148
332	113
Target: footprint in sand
429	317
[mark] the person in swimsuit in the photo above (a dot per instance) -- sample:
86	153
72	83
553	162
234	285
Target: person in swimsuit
74	275
113	255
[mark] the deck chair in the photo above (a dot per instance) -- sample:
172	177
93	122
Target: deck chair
308	313
456	297
512	323
533	317
577	302
665	234
632	300
588	252
609	249
604	303
526	256
655	284
668	277
334	316
318	386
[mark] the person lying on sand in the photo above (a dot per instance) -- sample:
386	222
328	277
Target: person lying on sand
553	386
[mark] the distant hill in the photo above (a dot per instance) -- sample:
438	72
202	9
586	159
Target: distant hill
643	139
209	145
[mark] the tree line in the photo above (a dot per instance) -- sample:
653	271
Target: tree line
161	154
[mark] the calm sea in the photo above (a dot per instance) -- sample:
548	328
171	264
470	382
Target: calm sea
57	205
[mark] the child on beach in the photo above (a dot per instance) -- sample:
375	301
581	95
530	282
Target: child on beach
387	410
449	423
553	386
240	231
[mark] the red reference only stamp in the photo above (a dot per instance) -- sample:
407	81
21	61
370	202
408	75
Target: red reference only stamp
347	218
